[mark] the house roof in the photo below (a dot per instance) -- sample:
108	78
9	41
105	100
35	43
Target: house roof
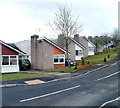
102	42
78	43
89	41
13	47
53	43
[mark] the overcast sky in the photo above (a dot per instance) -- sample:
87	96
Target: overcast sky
19	19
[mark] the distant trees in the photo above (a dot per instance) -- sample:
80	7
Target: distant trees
116	36
106	38
66	25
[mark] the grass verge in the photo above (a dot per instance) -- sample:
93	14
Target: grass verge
95	59
20	76
65	69
99	58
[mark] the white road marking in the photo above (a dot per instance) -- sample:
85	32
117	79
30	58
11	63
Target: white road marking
114	63
97	69
108	76
49	94
118	98
90	71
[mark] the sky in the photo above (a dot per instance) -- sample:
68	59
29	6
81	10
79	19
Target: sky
20	19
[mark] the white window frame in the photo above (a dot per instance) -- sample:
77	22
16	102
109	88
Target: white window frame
81	52
59	59
10	59
90	49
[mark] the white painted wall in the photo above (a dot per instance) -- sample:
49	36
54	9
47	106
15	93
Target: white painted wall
90	52
9	68
78	48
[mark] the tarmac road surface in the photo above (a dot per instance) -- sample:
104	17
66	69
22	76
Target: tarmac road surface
99	88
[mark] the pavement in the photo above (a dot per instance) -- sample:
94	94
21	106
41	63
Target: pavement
60	75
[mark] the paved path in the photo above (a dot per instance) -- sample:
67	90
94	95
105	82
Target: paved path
60	74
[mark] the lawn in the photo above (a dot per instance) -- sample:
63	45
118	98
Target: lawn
19	76
65	69
99	58
95	59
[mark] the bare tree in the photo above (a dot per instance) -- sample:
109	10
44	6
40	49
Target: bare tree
116	36
66	24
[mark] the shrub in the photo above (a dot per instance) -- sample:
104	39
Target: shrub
88	62
76	65
83	61
105	60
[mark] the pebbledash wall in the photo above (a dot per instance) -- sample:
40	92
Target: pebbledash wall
72	55
42	54
84	42
25	46
74	47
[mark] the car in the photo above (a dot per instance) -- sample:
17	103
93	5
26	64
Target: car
24	64
72	63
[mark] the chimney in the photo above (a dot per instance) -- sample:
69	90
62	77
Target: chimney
61	40
76	37
34	51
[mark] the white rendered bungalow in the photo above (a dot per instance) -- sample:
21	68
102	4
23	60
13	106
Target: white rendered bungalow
76	50
9	54
90	47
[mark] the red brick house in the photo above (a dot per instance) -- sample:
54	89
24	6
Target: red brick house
9	57
45	54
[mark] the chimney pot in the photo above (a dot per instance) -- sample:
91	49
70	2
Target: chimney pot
76	37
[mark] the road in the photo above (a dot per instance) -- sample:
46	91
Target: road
99	88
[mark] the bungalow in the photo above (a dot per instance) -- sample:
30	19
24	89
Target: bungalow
110	44
90	47
25	46
45	54
76	50
9	57
100	47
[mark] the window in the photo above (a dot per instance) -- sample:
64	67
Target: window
5	60
79	52
9	60
13	60
20	57
91	49
59	59
55	59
